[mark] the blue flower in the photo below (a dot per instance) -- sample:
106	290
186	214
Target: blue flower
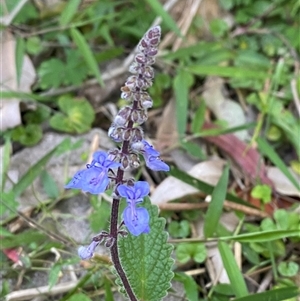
87	252
135	219
151	156
94	179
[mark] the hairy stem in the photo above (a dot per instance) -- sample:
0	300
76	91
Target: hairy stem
114	225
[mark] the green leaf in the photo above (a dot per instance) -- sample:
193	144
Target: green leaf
231	72
288	269
77	118
202	186
262	192
54	275
79	297
270	153
51	73
179	229
100	216
108	291
189	284
5	156
5	233
199	118
8	203
69	11
27	135
215	207
263	236
191	251
22	239
87	54
279	294
218	27
49	185
34	171
148	262
159	10
181	85
193	149
236	278
34	45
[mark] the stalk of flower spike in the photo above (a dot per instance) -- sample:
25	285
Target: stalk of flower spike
126	129
123	129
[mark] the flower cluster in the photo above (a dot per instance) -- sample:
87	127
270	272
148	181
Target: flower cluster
126	130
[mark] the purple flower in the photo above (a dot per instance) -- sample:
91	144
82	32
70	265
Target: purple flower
151	156
135	219
94	179
87	252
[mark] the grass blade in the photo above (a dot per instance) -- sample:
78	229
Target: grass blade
68	12
269	152
202	186
264	236
6	149
232	72
160	11
182	83
279	294
215	207
34	171
86	53
235	276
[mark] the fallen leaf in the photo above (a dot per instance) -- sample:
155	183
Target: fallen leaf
9	110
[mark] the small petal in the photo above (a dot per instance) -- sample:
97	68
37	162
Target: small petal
149	150
134	193
141	189
76	182
138	223
87	252
95	180
125	191
156	164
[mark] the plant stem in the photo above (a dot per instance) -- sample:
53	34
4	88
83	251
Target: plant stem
114	223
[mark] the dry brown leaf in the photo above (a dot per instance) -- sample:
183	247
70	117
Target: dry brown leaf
172	188
281	183
9	110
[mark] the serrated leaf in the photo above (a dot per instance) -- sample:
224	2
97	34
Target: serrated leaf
146	259
215	207
51	73
87	54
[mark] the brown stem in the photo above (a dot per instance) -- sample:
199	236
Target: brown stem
114	223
